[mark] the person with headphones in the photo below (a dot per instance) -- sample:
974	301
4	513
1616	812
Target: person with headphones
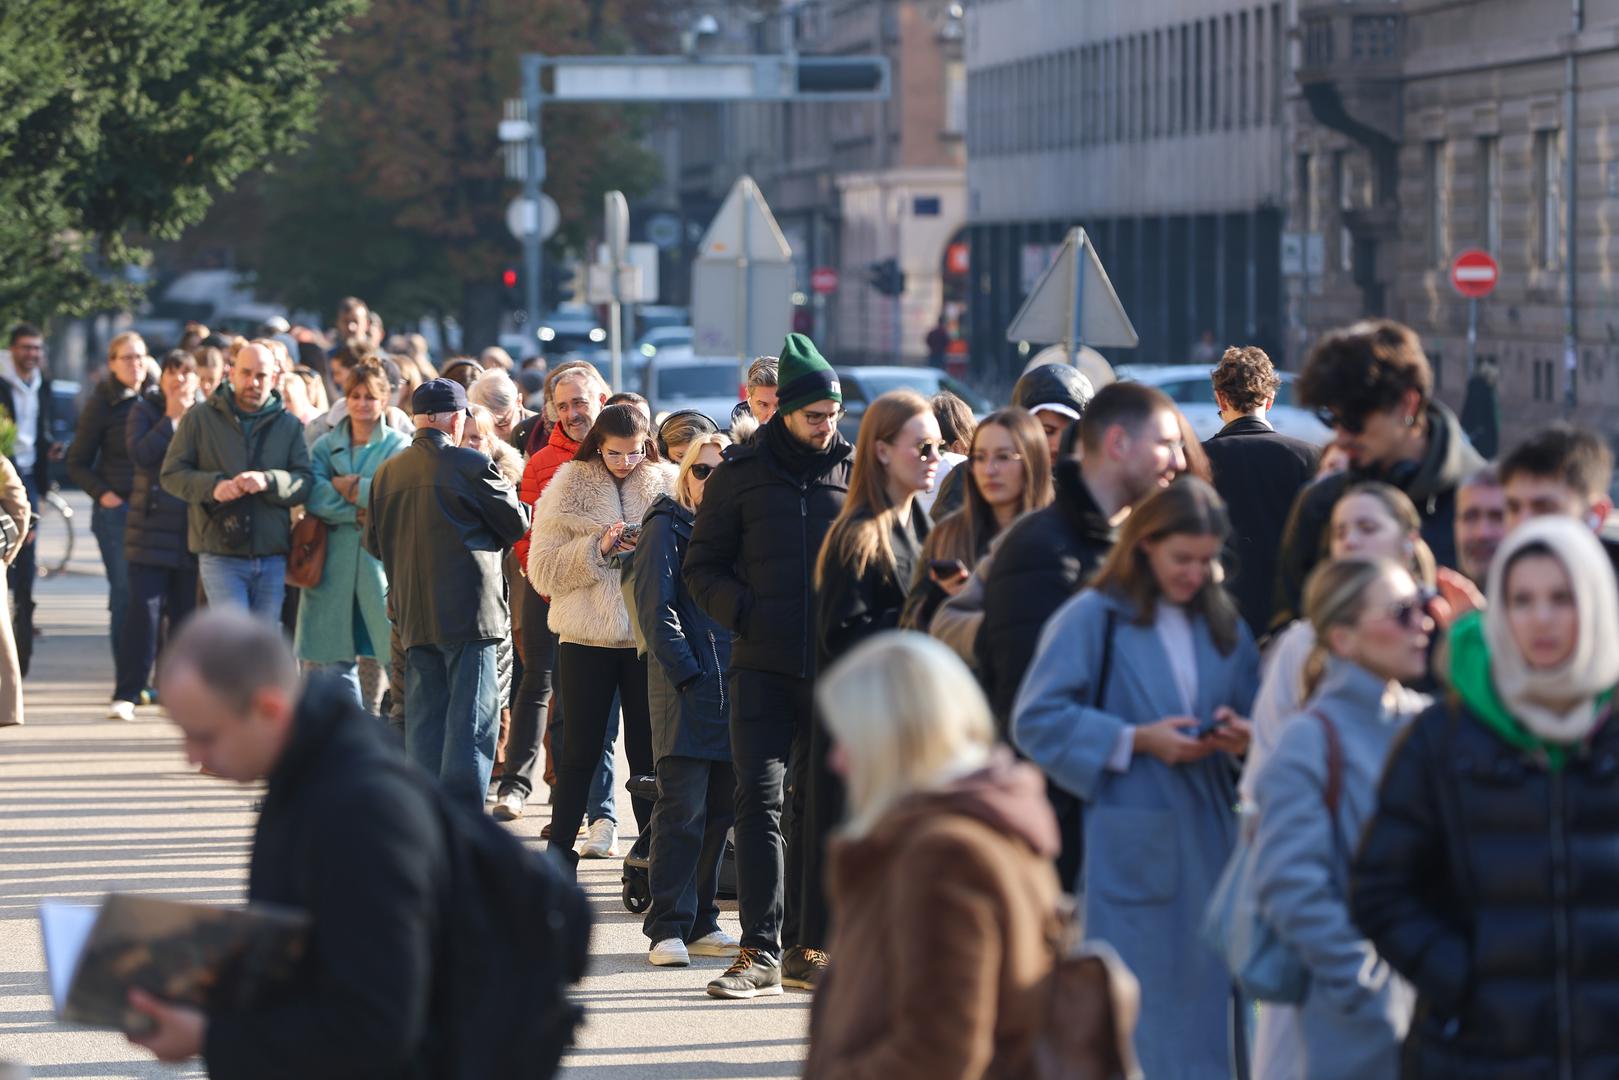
679	430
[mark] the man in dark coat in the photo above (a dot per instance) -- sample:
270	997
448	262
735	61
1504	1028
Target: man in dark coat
344	836
1372	384
25	398
440	517
1258	473
751	566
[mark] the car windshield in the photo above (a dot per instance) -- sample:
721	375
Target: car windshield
698	381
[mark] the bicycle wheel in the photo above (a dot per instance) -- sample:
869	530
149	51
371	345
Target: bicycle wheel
55	534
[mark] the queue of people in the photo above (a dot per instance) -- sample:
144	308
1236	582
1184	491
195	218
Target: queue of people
1378	688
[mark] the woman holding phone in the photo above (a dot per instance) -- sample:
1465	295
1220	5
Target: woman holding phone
1136	703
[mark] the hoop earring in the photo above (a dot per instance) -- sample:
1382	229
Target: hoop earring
1411	420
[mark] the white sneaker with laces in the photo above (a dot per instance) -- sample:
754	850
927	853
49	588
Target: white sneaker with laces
602	841
121	710
509	807
719	943
670	952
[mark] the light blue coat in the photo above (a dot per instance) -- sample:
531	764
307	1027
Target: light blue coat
1156	836
326	613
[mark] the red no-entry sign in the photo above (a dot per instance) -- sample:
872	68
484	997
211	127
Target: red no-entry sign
824	279
1474	274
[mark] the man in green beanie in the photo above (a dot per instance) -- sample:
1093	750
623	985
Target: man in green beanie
751	565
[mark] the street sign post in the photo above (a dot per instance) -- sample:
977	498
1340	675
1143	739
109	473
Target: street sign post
1074	302
824	280
742	280
1474	275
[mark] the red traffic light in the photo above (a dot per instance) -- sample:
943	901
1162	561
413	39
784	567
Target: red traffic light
508	278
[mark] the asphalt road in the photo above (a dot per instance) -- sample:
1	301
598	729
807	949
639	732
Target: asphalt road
89	805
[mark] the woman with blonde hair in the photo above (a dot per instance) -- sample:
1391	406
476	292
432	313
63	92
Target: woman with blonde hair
940	880
862	578
483	436
1135	703
689	658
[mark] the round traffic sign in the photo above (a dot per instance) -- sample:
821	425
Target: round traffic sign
1474	274
523	218
824	279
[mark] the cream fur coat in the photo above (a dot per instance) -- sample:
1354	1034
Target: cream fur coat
565	562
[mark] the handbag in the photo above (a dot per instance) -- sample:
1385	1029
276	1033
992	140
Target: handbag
1265	967
306	559
1088	1030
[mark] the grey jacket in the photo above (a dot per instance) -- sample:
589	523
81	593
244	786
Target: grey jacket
441	518
1358	1009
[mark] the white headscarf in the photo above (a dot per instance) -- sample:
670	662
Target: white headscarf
1557	705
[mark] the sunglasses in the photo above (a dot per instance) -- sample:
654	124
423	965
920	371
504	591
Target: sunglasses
1351	425
1409	613
702	472
930	451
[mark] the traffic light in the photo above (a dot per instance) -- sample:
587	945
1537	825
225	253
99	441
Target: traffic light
886	277
508	277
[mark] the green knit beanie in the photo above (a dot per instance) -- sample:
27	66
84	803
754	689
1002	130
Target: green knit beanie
804	377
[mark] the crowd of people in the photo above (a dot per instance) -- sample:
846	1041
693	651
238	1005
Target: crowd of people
930	680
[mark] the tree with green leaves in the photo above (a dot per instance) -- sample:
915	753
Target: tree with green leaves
121	119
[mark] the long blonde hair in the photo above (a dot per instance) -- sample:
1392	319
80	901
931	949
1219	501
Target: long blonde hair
1335	595
863	531
908	715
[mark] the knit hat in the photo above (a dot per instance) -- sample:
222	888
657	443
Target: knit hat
804	376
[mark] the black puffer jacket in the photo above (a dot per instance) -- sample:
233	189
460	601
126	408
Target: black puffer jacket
155	533
1047	556
753	549
1492	884
98	461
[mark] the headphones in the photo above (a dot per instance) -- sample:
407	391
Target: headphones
704	424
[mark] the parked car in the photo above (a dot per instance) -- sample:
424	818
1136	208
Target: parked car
650	316
659	338
1189	386
709	384
570	328
862	385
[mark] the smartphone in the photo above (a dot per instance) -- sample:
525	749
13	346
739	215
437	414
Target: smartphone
630	535
1209	727
947	569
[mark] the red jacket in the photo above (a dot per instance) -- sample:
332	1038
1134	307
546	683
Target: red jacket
538	472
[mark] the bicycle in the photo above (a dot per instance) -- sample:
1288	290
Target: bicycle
55	534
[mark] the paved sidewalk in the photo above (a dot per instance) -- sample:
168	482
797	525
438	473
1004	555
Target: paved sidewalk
89	805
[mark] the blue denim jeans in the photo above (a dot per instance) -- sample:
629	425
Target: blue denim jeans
108	529
154	591
257	583
452	715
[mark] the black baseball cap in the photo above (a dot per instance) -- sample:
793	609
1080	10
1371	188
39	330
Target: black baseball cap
438	396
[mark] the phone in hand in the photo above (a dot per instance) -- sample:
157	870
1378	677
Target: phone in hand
1210	727
630	535
947	569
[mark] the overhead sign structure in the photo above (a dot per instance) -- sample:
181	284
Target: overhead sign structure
1474	274
1074	302
742	280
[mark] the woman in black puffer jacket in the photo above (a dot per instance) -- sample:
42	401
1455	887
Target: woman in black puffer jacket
1489	874
162	570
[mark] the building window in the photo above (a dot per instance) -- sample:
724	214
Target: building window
1489	194
955	97
1548	201
1228	73
1304	188
1243	55
1214	78
1433	183
1344	200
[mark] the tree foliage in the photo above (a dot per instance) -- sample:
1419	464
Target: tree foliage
121	119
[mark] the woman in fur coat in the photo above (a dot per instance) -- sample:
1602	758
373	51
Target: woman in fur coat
590	512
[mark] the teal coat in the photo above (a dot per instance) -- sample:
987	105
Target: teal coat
352	576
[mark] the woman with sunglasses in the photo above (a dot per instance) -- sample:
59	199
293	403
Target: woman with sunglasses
579	525
862	577
689	657
1371	637
1486	875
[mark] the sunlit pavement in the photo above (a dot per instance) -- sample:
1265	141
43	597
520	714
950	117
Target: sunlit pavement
89	805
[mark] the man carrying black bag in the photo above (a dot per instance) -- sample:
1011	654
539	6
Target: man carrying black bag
431	927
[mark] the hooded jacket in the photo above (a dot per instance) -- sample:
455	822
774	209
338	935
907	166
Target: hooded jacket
211	443
99	461
1431	483
1486	879
941	975
582	501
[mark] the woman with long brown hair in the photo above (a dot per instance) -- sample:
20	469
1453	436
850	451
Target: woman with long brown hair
1135	703
864	573
1008	474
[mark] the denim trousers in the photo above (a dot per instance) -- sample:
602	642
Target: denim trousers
154	591
255	582
452	715
108	528
689	822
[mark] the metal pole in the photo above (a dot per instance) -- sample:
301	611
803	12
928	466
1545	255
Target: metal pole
615	337
1472	335
533	176
1076	323
744	265
1571	142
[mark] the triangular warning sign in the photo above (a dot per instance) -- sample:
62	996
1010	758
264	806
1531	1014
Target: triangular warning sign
1066	308
745	221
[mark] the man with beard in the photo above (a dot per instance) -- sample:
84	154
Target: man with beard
1481	523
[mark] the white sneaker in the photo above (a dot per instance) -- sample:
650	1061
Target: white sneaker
602	841
670	952
121	710
509	807
719	943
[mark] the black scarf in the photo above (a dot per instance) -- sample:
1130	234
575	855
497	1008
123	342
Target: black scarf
800	461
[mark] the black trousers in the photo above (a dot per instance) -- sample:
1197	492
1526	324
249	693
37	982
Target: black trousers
689	823
154	591
771	718
20	578
587	679
823	811
533	693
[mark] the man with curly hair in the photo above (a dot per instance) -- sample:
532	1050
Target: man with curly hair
1258	472
1372	384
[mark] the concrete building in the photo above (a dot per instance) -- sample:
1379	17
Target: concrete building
1158	126
1425	128
850	183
